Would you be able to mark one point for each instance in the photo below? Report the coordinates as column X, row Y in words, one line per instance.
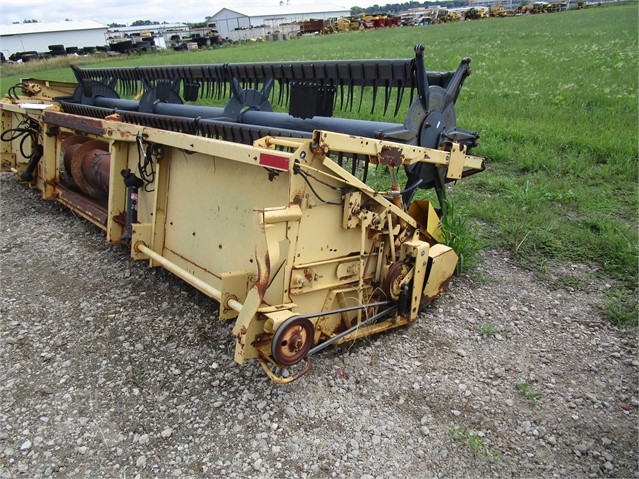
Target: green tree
column 139, row 23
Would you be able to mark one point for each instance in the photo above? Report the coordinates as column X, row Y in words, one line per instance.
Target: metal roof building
column 228, row 20
column 23, row 37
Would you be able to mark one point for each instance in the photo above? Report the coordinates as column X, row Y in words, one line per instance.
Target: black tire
column 121, row 47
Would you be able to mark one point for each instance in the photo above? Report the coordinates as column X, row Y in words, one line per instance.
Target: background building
column 23, row 37
column 228, row 20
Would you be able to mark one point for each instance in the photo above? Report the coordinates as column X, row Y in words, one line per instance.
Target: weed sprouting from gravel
column 526, row 390
column 486, row 330
column 475, row 443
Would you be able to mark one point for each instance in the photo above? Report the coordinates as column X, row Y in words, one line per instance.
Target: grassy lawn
column 554, row 98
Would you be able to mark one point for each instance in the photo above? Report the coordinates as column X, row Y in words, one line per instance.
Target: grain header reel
column 241, row 179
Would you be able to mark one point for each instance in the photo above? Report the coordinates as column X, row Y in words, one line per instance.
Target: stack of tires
column 202, row 42
column 24, row 56
column 122, row 47
column 57, row 50
column 143, row 46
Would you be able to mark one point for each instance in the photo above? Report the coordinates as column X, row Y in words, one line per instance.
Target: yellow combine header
column 270, row 214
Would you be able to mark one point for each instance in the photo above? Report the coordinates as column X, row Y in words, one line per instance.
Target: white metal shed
column 228, row 20
column 23, row 37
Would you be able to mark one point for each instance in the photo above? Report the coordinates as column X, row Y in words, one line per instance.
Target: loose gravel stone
column 135, row 375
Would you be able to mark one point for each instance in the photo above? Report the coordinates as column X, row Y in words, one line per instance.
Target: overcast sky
column 127, row 11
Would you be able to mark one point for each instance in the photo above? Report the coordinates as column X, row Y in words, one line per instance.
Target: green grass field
column 554, row 98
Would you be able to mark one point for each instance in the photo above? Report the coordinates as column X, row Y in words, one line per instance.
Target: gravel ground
column 111, row 369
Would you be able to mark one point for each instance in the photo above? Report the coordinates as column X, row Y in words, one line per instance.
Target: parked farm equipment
column 476, row 13
column 314, row 26
column 271, row 214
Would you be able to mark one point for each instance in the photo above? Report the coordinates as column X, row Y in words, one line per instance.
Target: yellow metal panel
column 47, row 167
column 141, row 233
column 51, row 89
column 190, row 144
column 275, row 319
column 247, row 327
column 322, row 237
column 282, row 214
column 209, row 216
column 352, row 204
column 327, row 276
column 12, row 120
column 418, row 250
column 443, row 261
column 159, row 205
column 234, row 286
column 426, row 216
column 117, row 192
column 456, row 163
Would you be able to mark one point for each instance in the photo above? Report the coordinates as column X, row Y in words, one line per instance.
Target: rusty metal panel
column 90, row 209
column 75, row 122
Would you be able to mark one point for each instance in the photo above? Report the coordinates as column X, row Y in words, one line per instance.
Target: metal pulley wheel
column 292, row 341
column 392, row 284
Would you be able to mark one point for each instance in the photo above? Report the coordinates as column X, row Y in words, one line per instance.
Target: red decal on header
column 273, row 161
